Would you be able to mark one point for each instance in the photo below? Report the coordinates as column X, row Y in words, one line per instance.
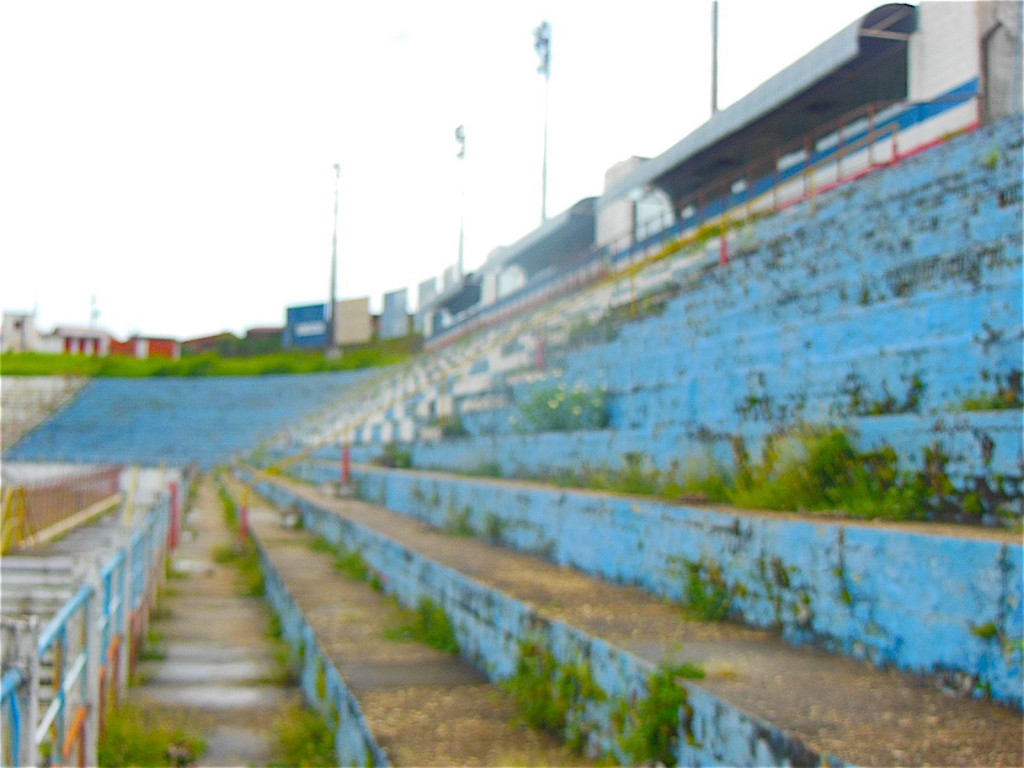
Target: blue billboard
column 306, row 327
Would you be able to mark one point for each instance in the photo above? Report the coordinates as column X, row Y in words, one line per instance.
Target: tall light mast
column 332, row 347
column 542, row 44
column 460, row 136
column 714, row 57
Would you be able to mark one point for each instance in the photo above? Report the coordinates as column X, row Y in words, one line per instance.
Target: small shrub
column 650, row 727
column 556, row 409
column 395, row 457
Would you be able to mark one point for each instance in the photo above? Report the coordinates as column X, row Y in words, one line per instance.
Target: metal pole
column 542, row 44
column 334, row 267
column 460, row 136
column 714, row 57
column 544, row 170
column 94, row 660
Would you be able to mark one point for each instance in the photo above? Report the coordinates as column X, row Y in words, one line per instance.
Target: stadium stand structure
column 165, row 421
column 887, row 306
column 28, row 400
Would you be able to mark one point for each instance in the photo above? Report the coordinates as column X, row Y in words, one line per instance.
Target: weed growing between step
column 242, row 554
column 134, row 737
column 303, row 737
column 351, row 563
column 649, row 728
column 706, row 596
column 427, row 624
column 563, row 699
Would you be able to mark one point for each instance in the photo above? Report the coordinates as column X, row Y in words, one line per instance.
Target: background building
column 305, row 327
column 394, row 321
column 352, row 322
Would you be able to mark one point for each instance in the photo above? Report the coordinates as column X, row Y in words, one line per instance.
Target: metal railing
column 59, row 680
column 32, row 509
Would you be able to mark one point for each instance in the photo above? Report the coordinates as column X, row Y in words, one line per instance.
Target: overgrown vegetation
column 395, row 457
column 650, row 727
column 303, row 739
column 557, row 697
column 136, row 737
column 352, row 564
column 206, row 364
column 1006, row 396
column 706, row 595
column 552, row 696
column 813, row 469
column 557, row 409
column 427, row 624
column 242, row 553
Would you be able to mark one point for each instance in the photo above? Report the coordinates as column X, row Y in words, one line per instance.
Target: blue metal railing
column 10, row 710
column 84, row 643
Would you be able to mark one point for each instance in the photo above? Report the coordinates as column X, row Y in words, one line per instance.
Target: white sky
column 175, row 159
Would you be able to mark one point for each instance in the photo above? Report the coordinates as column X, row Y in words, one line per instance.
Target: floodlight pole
column 460, row 136
column 542, row 44
column 714, row 57
column 332, row 347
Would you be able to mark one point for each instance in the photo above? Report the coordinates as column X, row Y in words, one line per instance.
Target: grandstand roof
column 558, row 239
column 864, row 63
column 461, row 296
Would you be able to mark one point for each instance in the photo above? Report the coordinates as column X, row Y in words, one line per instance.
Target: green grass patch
column 246, row 560
column 352, row 564
column 135, row 737
column 303, row 739
column 373, row 355
column 428, row 624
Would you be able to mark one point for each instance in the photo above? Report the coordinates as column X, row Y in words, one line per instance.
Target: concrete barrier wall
column 490, row 626
column 321, row 683
column 977, row 444
column 932, row 603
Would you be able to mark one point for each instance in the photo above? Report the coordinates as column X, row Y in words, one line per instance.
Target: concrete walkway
column 424, row 707
column 836, row 705
column 219, row 671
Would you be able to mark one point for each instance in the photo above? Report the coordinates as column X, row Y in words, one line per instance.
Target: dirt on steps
column 218, row 672
column 425, row 707
column 837, row 705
